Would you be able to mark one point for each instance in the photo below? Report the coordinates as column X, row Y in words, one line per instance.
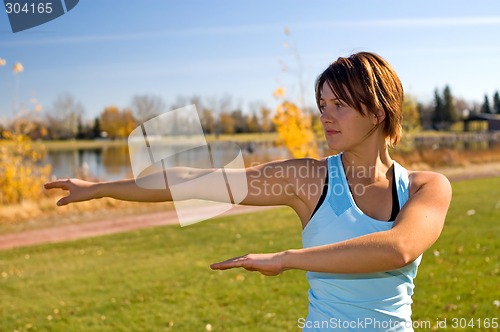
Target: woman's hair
column 366, row 79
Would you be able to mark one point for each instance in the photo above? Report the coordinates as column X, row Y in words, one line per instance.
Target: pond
column 113, row 162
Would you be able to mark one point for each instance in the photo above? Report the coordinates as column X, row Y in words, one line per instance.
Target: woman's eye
column 322, row 108
column 338, row 105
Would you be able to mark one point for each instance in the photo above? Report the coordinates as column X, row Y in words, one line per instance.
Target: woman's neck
column 367, row 165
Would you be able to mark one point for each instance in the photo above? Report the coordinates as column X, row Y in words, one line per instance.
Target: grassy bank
column 98, row 144
column 159, row 280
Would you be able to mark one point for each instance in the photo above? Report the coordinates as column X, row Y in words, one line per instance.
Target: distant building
column 487, row 122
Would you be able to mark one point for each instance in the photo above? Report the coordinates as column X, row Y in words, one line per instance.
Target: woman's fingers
column 63, row 201
column 267, row 264
column 61, row 184
column 78, row 190
column 230, row 263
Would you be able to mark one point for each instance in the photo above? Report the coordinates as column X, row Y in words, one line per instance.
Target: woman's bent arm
column 416, row 228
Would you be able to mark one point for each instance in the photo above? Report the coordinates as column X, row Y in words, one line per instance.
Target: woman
column 366, row 220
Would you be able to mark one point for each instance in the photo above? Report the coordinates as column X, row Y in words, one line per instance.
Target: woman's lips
column 332, row 132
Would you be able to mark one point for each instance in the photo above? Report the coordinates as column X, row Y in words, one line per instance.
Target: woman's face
column 345, row 128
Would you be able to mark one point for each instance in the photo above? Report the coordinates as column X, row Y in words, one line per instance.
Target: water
column 103, row 164
column 113, row 163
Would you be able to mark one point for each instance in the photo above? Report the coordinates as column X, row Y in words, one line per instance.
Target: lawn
column 159, row 279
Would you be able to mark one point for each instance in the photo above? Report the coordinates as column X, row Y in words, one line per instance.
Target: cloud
column 223, row 30
column 424, row 22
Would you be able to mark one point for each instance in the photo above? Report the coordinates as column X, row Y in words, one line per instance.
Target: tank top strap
column 402, row 183
column 338, row 189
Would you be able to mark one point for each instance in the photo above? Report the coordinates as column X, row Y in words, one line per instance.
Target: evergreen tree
column 438, row 112
column 80, row 131
column 486, row 108
column 449, row 109
column 96, row 130
column 496, row 103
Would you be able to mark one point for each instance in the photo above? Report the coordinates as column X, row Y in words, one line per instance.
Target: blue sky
column 104, row 52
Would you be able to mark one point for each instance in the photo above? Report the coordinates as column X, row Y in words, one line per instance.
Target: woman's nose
column 326, row 116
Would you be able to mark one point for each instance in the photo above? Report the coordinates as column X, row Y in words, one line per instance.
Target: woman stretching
column 366, row 220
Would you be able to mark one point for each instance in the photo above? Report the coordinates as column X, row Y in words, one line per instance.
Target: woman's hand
column 267, row 264
column 79, row 190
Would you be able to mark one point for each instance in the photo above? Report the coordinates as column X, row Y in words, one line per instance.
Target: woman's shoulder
column 418, row 179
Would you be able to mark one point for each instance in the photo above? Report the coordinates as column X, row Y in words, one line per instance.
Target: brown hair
column 366, row 79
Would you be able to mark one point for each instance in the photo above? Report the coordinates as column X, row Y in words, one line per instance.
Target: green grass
column 460, row 275
column 159, row 279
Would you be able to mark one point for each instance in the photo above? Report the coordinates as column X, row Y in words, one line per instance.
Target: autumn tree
column 411, row 117
column 117, row 123
column 252, row 123
column 294, row 127
column 240, row 124
column 266, row 120
column 208, row 121
column 227, row 123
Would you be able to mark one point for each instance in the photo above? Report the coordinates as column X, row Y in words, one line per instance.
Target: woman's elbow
column 404, row 255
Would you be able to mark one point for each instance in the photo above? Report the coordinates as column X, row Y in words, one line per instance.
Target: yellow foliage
column 411, row 117
column 279, row 92
column 295, row 130
column 21, row 175
column 117, row 123
column 18, row 68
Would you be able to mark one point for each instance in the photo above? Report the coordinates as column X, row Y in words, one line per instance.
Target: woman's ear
column 378, row 117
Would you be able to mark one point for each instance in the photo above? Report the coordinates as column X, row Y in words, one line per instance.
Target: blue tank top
column 355, row 302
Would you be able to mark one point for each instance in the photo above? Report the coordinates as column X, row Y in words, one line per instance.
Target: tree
column 116, row 123
column 266, row 121
column 486, row 108
column 450, row 111
column 81, row 132
column 411, row 122
column 227, row 124
column 496, row 103
column 62, row 119
column 445, row 112
column 426, row 113
column 295, row 130
column 438, row 112
column 208, row 121
column 252, row 123
column 221, row 108
column 96, row 129
column 240, row 124
column 463, row 107
column 145, row 107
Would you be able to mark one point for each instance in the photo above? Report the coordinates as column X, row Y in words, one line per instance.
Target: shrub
column 22, row 173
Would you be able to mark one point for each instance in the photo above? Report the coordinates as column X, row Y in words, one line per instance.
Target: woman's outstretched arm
column 416, row 228
column 126, row 190
column 265, row 184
